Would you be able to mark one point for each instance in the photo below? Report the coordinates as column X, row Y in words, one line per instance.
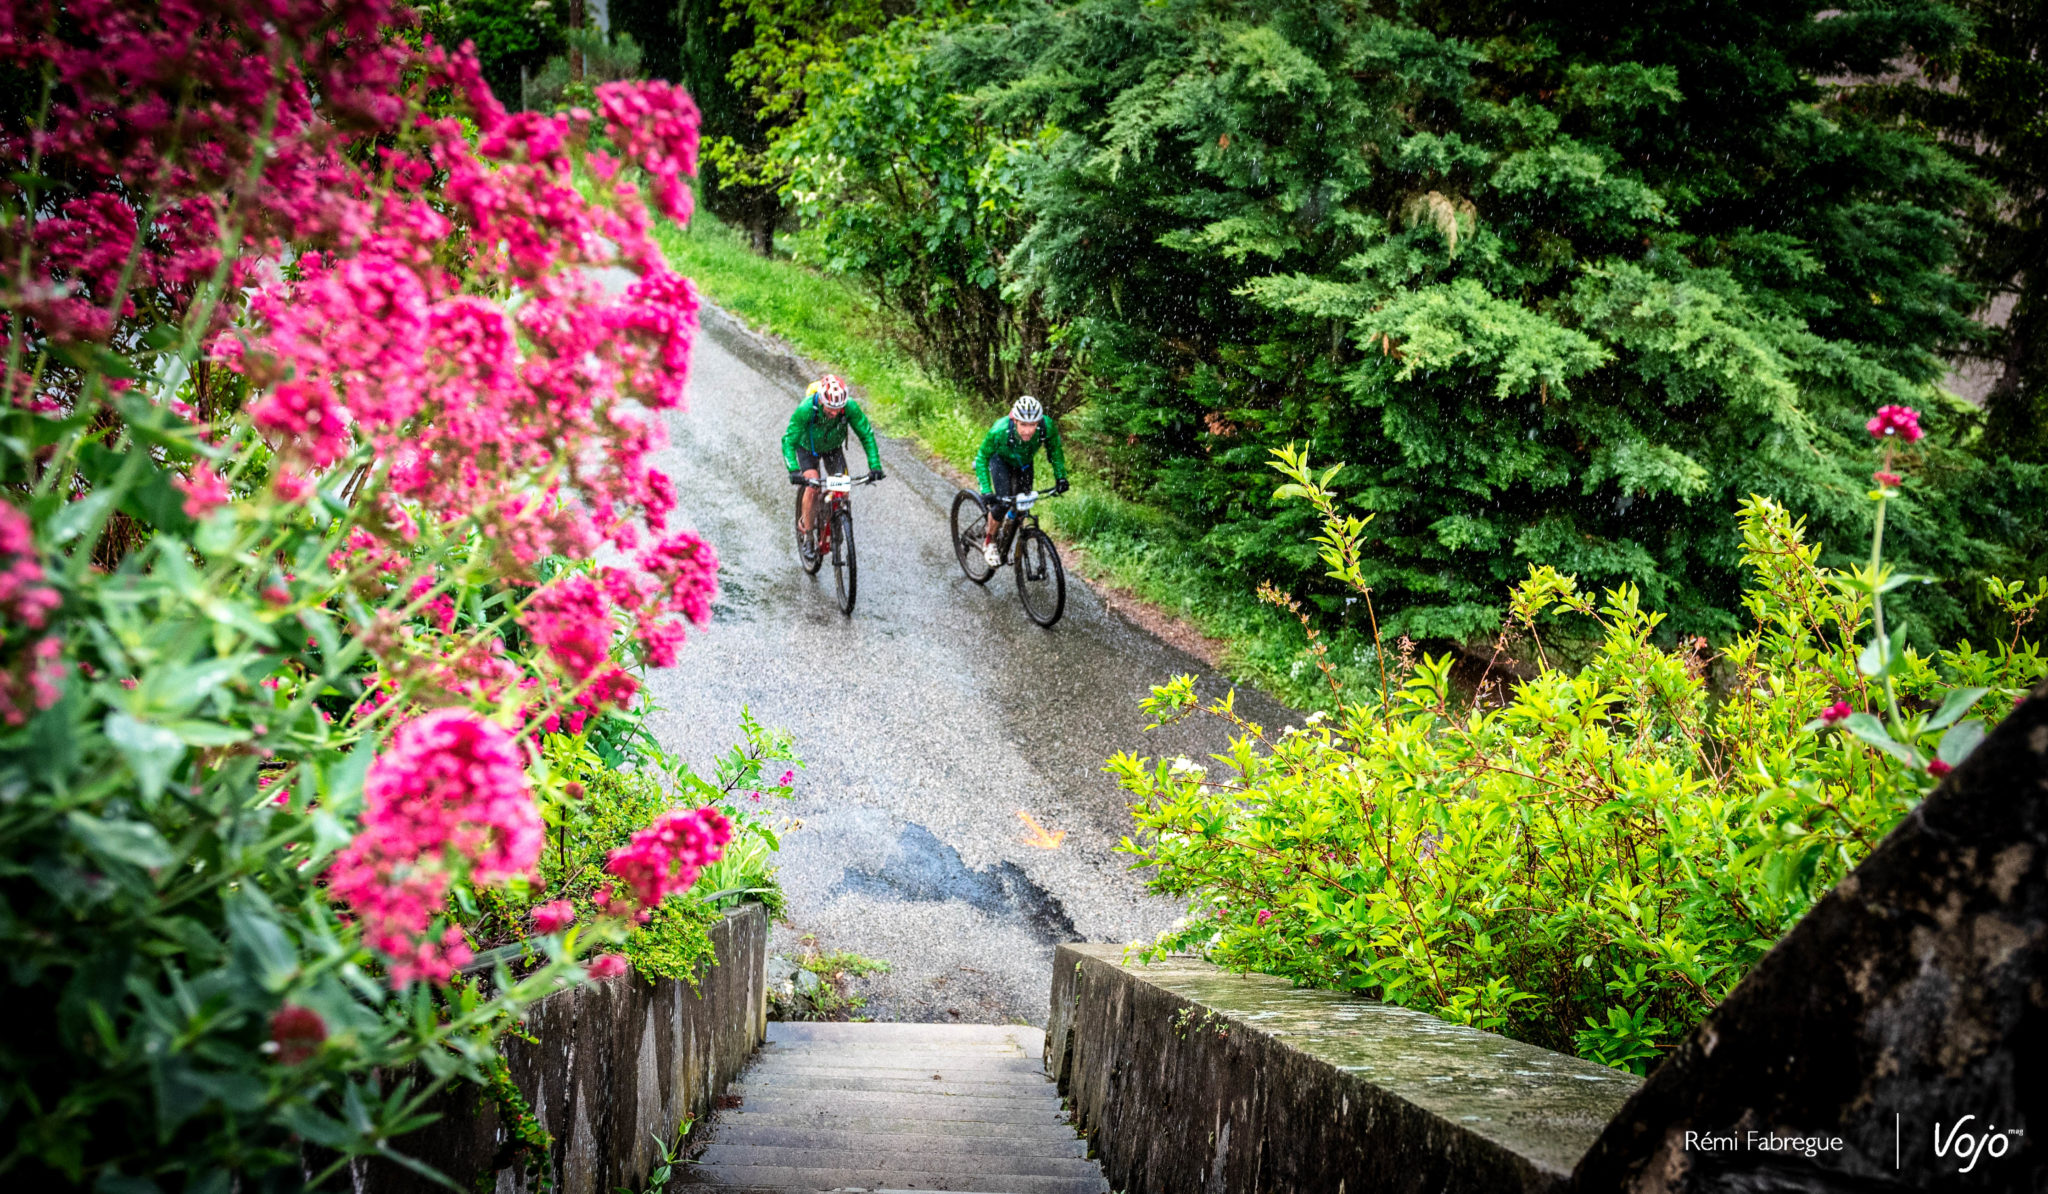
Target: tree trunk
column 2017, row 404
column 575, row 52
column 763, row 211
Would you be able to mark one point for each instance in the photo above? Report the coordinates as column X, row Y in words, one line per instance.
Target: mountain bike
column 1041, row 581
column 831, row 533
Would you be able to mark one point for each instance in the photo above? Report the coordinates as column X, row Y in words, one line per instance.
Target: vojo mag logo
column 1969, row 1140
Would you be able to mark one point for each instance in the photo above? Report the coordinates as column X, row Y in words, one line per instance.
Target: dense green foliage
column 1563, row 283
column 758, row 60
column 902, row 184
column 1566, row 284
column 510, row 36
column 1987, row 100
column 1593, row 858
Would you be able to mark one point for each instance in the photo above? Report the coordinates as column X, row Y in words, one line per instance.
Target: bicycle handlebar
column 820, row 482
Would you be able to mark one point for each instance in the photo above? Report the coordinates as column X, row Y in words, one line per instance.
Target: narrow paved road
column 928, row 720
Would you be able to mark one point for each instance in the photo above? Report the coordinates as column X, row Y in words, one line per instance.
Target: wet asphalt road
column 927, row 721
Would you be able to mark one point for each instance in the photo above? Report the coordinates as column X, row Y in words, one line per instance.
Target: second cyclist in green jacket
column 816, row 436
column 1003, row 465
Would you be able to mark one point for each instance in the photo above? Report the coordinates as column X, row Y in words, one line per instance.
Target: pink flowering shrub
column 666, row 856
column 323, row 402
column 448, row 799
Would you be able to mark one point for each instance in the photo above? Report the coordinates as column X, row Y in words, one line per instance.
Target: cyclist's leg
column 1004, row 481
column 807, row 464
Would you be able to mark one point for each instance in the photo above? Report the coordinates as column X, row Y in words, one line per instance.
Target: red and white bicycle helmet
column 832, row 392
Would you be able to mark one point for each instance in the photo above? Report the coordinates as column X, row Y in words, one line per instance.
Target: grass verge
column 1151, row 566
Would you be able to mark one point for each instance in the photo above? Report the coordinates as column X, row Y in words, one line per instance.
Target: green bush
column 1587, row 859
column 1563, row 285
column 607, row 784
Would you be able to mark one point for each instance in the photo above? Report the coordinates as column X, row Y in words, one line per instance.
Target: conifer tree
column 1561, row 283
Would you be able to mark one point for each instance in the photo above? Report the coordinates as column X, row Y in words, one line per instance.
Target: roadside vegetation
column 321, row 743
column 1590, row 857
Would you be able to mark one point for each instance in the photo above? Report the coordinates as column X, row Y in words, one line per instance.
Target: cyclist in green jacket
column 1003, row 465
column 817, row 435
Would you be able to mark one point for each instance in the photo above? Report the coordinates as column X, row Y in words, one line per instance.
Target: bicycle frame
column 837, row 487
column 1017, row 514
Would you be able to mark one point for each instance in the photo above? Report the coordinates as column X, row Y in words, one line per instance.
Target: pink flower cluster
column 449, row 797
column 571, row 620
column 204, row 491
column 665, row 857
column 369, row 209
column 656, row 124
column 31, row 667
column 1901, row 421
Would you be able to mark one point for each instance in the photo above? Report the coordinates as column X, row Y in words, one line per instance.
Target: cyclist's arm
column 987, row 449
column 1054, row 451
column 866, row 431
column 797, row 423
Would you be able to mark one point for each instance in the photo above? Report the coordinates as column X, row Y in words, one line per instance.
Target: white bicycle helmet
column 832, row 392
column 1027, row 410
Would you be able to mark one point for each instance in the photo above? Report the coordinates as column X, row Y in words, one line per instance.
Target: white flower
column 1185, row 766
column 1317, row 718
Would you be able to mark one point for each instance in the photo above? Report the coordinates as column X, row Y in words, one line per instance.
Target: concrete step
column 1016, row 1035
column 898, row 1063
column 910, row 1142
column 840, row 1178
column 882, row 1125
column 1026, row 1086
column 883, row 1154
column 953, row 1108
column 882, row 1104
column 781, row 1070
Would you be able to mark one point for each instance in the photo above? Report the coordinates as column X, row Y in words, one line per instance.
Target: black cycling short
column 835, row 460
column 1007, row 478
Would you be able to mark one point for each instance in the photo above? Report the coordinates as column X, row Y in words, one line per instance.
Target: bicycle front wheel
column 844, row 576
column 970, row 523
column 1041, row 582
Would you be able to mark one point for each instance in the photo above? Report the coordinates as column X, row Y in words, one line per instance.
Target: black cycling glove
column 1060, row 486
column 876, row 474
column 795, row 477
column 988, row 501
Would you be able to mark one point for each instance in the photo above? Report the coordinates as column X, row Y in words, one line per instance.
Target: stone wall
column 610, row 1066
column 1189, row 1078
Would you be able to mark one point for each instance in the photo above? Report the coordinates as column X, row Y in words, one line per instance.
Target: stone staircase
column 889, row 1107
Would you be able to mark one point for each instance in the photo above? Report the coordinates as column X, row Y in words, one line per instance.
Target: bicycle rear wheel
column 844, row 576
column 1041, row 582
column 969, row 524
column 807, row 553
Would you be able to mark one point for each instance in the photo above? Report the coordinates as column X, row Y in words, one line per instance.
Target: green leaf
column 1957, row 744
column 262, row 944
column 79, row 516
column 344, row 788
column 208, row 733
column 134, row 842
column 1957, row 704
column 1871, row 730
column 151, row 751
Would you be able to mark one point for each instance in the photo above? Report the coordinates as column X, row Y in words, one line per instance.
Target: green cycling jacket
column 1003, row 442
column 811, row 429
